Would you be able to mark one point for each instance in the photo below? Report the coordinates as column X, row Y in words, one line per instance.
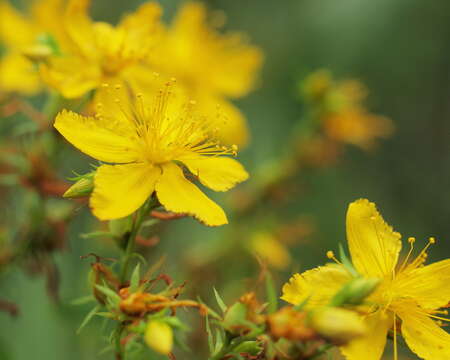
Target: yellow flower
column 268, row 247
column 19, row 35
column 212, row 66
column 342, row 112
column 407, row 299
column 159, row 336
column 153, row 146
column 100, row 52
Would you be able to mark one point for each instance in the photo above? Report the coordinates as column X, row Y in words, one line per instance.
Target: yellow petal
column 119, row 190
column 47, row 14
column 231, row 124
column 373, row 244
column 271, row 249
column 179, row 195
column 223, row 63
column 423, row 336
column 113, row 104
column 143, row 29
column 79, row 27
column 96, row 138
column 427, row 285
column 71, row 76
column 371, row 346
column 219, row 173
column 16, row 31
column 17, row 74
column 319, row 285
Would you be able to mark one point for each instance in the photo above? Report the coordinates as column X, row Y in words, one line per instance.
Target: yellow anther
column 234, row 147
column 139, row 95
column 118, row 87
column 411, row 240
column 105, row 85
column 432, row 240
column 330, row 254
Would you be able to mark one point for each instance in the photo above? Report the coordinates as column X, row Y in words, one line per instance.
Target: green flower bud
column 355, row 291
column 83, row 187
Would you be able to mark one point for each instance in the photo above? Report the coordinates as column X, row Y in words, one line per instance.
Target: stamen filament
column 395, row 338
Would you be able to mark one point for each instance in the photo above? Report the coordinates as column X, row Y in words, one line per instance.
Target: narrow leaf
column 82, row 300
column 346, row 261
column 88, row 318
column 135, row 278
column 219, row 300
column 110, row 294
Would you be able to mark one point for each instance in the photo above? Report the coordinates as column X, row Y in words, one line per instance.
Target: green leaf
column 219, row 340
column 210, row 337
column 105, row 314
column 106, row 349
column 139, row 257
column 119, row 227
column 112, row 297
column 220, row 302
column 135, row 278
column 96, row 234
column 271, row 293
column 83, row 300
column 235, row 316
column 88, row 318
column 249, row 347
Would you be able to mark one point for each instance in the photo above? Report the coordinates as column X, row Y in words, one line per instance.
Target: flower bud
column 83, row 187
column 355, row 291
column 159, row 336
column 337, row 324
column 37, row 52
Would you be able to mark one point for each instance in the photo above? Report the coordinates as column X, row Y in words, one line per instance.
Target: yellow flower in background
column 101, row 52
column 154, row 145
column 342, row 113
column 352, row 123
column 269, row 248
column 19, row 35
column 407, row 300
column 213, row 67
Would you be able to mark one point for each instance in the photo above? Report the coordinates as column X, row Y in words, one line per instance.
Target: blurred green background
column 399, row 49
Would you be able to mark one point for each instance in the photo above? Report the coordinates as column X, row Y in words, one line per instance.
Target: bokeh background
column 399, row 49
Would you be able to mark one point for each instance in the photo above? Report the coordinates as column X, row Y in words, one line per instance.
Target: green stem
column 131, row 240
column 52, row 105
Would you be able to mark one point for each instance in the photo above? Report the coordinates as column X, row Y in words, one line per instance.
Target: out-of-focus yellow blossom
column 268, row 247
column 339, row 325
column 342, row 113
column 408, row 296
column 19, row 35
column 159, row 336
column 100, row 52
column 212, row 66
column 153, row 145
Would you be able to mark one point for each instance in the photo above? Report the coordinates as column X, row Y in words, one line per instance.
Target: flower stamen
column 330, row 255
